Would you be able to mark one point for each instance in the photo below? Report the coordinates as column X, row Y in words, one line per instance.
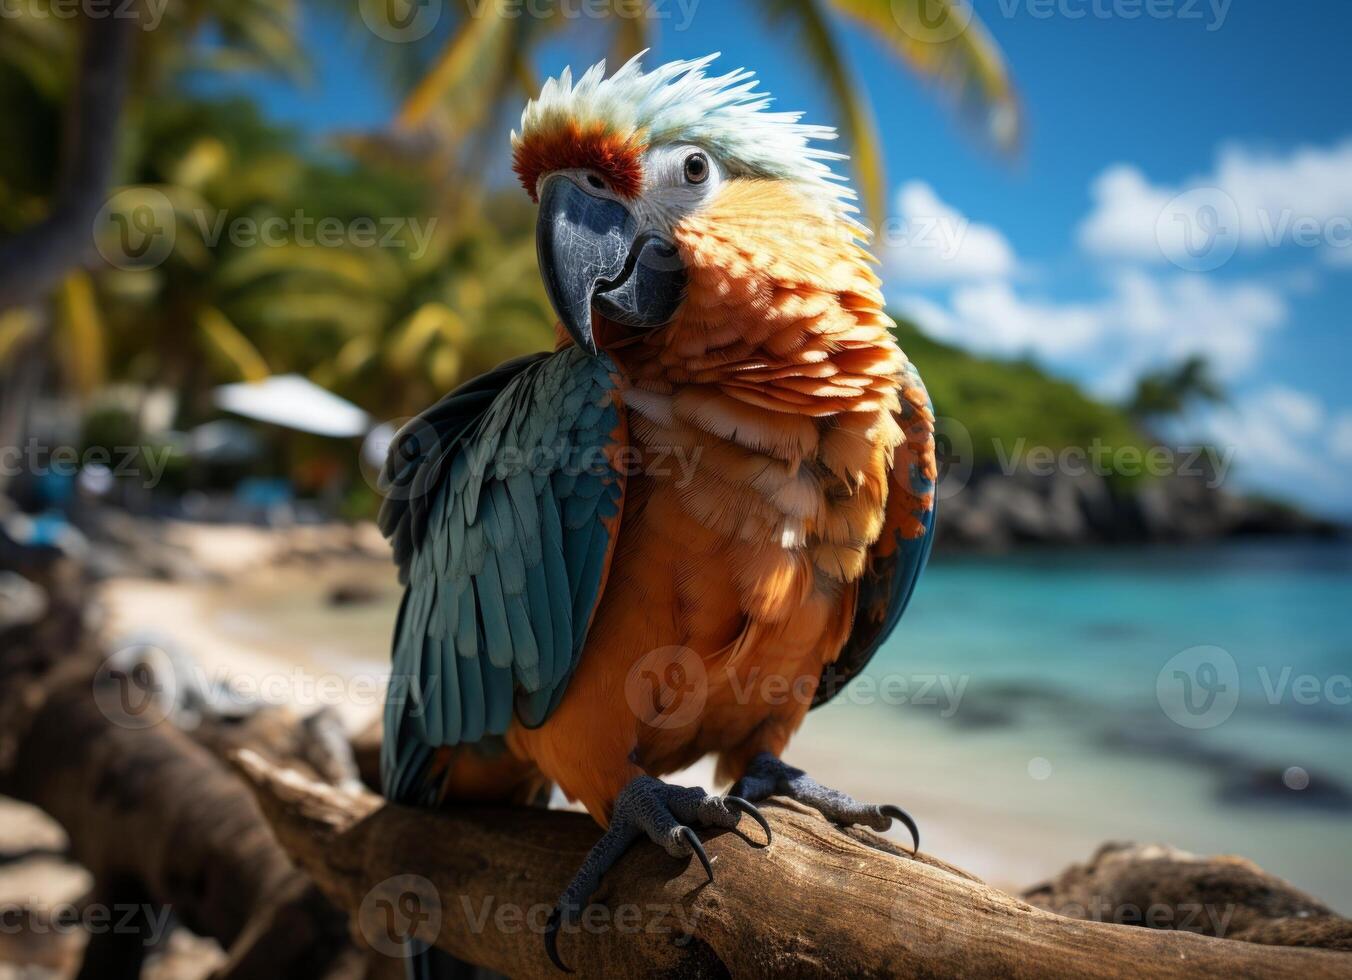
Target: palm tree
column 1169, row 392
column 485, row 63
column 42, row 56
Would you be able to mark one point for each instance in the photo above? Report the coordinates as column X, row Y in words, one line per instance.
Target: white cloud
column 1280, row 438
column 929, row 241
column 1340, row 437
column 1141, row 322
column 1252, row 199
column 1126, row 206
column 992, row 318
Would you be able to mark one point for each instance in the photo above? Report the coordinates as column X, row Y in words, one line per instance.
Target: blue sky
column 1074, row 253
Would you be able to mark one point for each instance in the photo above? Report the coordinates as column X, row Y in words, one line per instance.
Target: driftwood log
column 480, row 882
column 162, row 824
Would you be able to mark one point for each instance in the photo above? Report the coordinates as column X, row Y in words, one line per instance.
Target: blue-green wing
column 898, row 556
column 504, row 510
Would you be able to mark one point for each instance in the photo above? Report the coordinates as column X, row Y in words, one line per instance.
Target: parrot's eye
column 696, row 168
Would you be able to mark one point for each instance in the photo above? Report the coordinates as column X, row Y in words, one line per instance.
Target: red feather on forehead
column 618, row 158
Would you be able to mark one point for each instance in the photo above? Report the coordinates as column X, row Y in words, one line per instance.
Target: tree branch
column 479, row 882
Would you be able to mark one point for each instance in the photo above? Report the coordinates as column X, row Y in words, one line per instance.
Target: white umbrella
column 295, row 402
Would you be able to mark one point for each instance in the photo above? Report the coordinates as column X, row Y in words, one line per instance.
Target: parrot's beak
column 593, row 254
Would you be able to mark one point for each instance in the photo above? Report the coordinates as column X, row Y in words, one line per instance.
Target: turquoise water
column 1198, row 697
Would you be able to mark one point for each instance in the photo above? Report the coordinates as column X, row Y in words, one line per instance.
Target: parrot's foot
column 647, row 806
column 768, row 776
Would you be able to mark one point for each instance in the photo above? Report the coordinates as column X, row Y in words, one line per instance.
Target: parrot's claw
column 646, row 807
column 766, row 776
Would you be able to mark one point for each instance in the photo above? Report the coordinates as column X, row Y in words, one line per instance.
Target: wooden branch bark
column 479, row 882
column 156, row 818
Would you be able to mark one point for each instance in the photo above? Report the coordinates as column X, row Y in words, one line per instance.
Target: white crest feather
column 678, row 103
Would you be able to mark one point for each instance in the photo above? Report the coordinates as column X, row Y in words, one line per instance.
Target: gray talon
column 741, row 805
column 888, row 810
column 645, row 807
column 700, row 853
column 768, row 776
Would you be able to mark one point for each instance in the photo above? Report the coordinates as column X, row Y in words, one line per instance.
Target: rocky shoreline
column 995, row 511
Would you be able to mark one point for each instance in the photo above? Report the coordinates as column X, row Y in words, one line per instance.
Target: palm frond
column 945, row 41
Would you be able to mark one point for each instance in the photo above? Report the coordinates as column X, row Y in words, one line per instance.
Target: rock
column 995, row 510
column 1286, row 787
column 1161, row 887
column 352, row 594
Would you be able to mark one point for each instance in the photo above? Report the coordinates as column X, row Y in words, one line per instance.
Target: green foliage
column 1169, row 392
column 1002, row 402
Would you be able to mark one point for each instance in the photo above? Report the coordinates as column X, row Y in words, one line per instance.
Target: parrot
column 722, row 475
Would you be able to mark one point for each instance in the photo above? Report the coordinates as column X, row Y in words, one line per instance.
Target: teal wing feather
column 505, row 514
column 899, row 556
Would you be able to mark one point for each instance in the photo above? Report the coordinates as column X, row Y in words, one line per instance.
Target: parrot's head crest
column 668, row 194
column 619, row 125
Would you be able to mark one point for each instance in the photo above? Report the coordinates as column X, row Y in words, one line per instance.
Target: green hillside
column 1001, row 402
